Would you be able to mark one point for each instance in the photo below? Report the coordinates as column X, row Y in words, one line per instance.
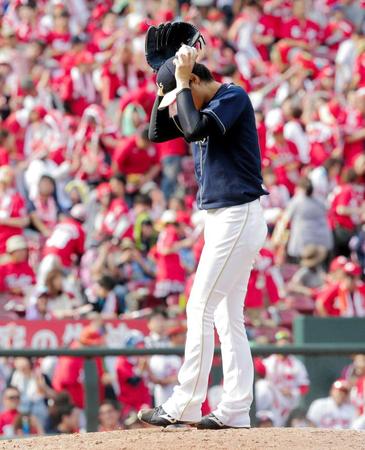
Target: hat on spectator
column 342, row 385
column 168, row 216
column 352, row 269
column 80, row 186
column 312, row 255
column 338, row 263
column 78, row 212
column 15, row 243
column 90, row 336
column 283, row 334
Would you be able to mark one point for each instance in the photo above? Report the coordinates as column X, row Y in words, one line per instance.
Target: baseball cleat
column 159, row 417
column 211, row 422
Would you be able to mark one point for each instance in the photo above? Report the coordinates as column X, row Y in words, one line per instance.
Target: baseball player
column 219, row 120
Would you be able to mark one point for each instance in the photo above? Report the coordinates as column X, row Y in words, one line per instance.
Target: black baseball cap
column 166, row 79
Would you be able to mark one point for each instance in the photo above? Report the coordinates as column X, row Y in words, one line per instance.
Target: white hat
column 78, row 212
column 169, row 216
column 15, row 243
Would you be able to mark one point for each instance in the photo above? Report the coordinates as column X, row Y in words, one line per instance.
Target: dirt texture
column 187, row 439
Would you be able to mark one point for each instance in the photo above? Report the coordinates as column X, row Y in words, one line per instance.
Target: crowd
column 98, row 222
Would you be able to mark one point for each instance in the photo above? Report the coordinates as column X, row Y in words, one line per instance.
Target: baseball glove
column 164, row 41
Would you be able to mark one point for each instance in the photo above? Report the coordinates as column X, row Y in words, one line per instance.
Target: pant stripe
column 206, row 303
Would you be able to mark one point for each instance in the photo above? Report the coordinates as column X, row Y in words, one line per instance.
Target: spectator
column 34, row 388
column 308, row 219
column 17, row 276
column 109, row 416
column 10, row 412
column 130, row 373
column 345, row 299
column 66, row 420
column 163, row 370
column 69, row 371
column 13, row 217
column 335, row 411
column 287, row 380
column 311, row 275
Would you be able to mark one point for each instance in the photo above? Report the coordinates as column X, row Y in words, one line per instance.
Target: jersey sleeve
column 225, row 109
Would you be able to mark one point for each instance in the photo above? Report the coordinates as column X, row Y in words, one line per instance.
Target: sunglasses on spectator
column 13, row 397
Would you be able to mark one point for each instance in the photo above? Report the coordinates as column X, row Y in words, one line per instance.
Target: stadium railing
column 91, row 375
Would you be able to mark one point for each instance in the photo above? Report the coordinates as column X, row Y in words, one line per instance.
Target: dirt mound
column 187, row 439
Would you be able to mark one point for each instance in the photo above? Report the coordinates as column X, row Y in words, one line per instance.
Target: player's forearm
column 162, row 128
column 195, row 125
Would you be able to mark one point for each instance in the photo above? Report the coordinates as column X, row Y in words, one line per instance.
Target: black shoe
column 211, row 422
column 159, row 417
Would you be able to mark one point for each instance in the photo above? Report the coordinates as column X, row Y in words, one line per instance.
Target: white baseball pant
column 233, row 238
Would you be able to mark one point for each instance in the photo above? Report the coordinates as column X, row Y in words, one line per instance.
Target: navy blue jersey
column 228, row 161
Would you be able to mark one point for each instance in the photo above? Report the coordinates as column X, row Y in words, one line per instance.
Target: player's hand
column 184, row 62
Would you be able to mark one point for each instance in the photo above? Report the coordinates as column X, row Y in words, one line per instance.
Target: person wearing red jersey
column 284, row 158
column 69, row 371
column 59, row 38
column 170, row 273
column 11, row 401
column 13, row 216
column 354, row 129
column 134, row 393
column 136, row 158
column 16, row 275
column 65, row 245
column 298, row 31
column 346, row 298
column 7, row 147
column 337, row 30
column 344, row 213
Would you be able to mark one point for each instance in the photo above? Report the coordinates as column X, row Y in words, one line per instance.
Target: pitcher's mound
column 187, row 439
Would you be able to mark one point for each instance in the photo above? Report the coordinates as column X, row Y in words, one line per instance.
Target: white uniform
column 233, row 238
column 281, row 374
column 162, row 367
column 325, row 413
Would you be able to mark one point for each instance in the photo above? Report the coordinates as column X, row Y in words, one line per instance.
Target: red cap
column 278, row 128
column 41, row 110
column 338, row 263
column 352, row 269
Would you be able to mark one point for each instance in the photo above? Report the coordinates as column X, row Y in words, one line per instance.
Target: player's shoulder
column 233, row 89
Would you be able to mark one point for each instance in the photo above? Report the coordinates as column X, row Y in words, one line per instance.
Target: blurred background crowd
column 97, row 222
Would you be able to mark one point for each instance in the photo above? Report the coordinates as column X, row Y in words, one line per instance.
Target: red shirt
column 355, row 121
column 344, row 195
column 4, row 157
column 117, row 221
column 176, row 147
column 7, row 418
column 305, row 30
column 284, row 159
column 336, row 32
column 66, row 241
column 360, row 69
column 168, row 265
column 133, row 160
column 12, row 205
column 69, row 377
column 132, row 395
column 16, row 275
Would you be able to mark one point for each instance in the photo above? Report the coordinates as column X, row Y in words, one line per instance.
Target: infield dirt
column 187, row 439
